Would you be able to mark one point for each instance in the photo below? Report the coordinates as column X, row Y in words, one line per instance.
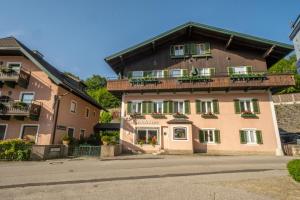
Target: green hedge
column 15, row 149
column 294, row 169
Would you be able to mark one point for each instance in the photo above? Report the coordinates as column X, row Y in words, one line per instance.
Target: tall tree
column 95, row 82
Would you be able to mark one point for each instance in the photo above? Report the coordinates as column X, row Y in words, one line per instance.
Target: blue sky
column 76, row 35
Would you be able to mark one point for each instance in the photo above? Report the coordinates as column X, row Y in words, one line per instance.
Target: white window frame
column 136, row 102
column 212, row 132
column 204, row 71
column 82, row 129
column 147, row 136
column 180, row 75
column 87, row 114
column 183, row 105
column 243, row 100
column 179, row 51
column 162, row 106
column 18, row 63
column 75, row 111
column 178, row 139
column 157, row 75
column 241, row 70
column 201, row 48
column 37, row 134
column 135, row 76
column 248, row 131
column 24, row 92
column 6, row 127
column 73, row 131
column 206, row 105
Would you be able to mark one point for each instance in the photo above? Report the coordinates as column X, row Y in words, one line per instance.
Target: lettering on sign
column 60, row 127
column 57, row 149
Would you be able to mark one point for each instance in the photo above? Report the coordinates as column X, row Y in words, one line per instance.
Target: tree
column 105, row 117
column 287, row 65
column 95, row 82
column 104, row 98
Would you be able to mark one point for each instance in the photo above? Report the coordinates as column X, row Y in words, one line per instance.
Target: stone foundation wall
column 288, row 117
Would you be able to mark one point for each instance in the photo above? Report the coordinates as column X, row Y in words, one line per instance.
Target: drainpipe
column 57, row 103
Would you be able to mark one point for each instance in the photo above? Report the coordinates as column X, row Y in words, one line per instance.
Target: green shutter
column 187, row 49
column 259, row 138
column 184, row 72
column 129, row 107
column 147, row 73
column 193, row 50
column 129, row 75
column 166, row 110
column 166, row 73
column 150, row 107
column 237, row 107
column 255, row 106
column 201, row 136
column 198, row 107
column 249, row 69
column 144, row 107
column 172, row 50
column 212, row 71
column 187, row 107
column 170, row 106
column 216, row 106
column 243, row 137
column 217, row 136
column 207, row 48
column 230, row 70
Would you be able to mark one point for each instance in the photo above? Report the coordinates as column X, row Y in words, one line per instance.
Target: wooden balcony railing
column 12, row 77
column 205, row 84
column 22, row 109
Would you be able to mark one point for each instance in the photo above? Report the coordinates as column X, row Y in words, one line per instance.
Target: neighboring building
column 198, row 88
column 37, row 101
column 295, row 37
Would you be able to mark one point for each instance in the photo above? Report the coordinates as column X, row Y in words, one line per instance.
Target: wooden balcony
column 20, row 109
column 216, row 83
column 12, row 77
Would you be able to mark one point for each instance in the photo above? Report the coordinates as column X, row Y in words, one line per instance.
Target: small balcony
column 19, row 109
column 11, row 77
column 216, row 82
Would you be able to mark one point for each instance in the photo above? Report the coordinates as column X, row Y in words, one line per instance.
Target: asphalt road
column 148, row 177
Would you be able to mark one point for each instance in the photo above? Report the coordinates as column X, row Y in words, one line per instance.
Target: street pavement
column 150, row 177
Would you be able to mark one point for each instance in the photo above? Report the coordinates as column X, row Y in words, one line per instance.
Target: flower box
column 180, row 116
column 248, row 77
column 248, row 114
column 137, row 116
column 158, row 116
column 144, row 81
column 188, row 79
column 209, row 116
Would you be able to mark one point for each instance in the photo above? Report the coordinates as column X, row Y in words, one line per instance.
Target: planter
column 248, row 77
column 66, row 142
column 180, row 116
column 137, row 116
column 110, row 150
column 158, row 116
column 249, row 115
column 188, row 79
column 144, row 81
column 209, row 116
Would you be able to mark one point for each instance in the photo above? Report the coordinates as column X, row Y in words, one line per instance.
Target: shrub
column 66, row 137
column 294, row 169
column 15, row 149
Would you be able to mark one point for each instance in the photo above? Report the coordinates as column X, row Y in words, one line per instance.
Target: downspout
column 57, row 103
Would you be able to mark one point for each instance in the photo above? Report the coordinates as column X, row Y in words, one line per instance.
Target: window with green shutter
column 129, row 103
column 209, row 136
column 217, row 136
column 129, row 75
column 216, row 106
column 170, row 106
column 187, row 49
column 144, row 107
column 166, row 73
column 230, row 70
column 166, row 107
column 259, row 138
column 255, row 105
column 249, row 69
column 187, row 107
column 207, row 48
column 193, row 49
column 150, row 107
column 198, row 107
column 212, row 71
column 201, row 136
column 172, row 50
column 237, row 107
column 243, row 137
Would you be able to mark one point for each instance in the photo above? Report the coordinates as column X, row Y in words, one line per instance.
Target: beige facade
column 43, row 91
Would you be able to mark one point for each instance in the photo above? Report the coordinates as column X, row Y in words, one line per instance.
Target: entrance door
column 2, row 131
column 165, row 138
column 71, row 132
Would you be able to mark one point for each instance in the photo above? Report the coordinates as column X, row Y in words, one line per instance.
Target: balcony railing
column 19, row 108
column 220, row 81
column 12, row 77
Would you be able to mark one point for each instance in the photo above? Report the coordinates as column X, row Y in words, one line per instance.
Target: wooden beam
column 229, row 42
column 153, row 46
column 190, row 31
column 269, row 51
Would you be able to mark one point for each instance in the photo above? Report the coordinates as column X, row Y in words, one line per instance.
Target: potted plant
column 180, row 115
column 248, row 114
column 157, row 115
column 152, row 141
column 105, row 140
column 209, row 115
column 66, row 139
column 141, row 142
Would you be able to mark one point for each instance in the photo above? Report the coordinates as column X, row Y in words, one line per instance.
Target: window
column 204, row 71
column 179, row 107
column 82, row 133
column 73, row 106
column 158, row 73
column 246, row 105
column 250, row 136
column 200, row 49
column 27, row 97
column 71, row 132
column 3, row 128
column 240, row 70
column 29, row 132
column 147, row 136
column 179, row 133
column 209, row 136
column 87, row 112
column 137, row 74
column 207, row 107
column 158, row 106
column 136, row 107
column 178, row 50
column 14, row 66
column 176, row 73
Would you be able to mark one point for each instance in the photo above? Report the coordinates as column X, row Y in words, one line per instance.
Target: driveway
column 150, row 177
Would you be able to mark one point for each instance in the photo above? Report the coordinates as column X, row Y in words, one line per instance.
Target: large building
column 37, row 101
column 198, row 88
column 295, row 37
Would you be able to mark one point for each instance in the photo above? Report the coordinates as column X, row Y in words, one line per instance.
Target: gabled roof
column 11, row 43
column 286, row 48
